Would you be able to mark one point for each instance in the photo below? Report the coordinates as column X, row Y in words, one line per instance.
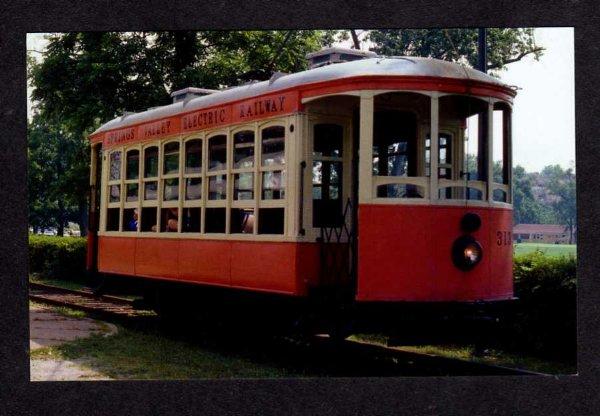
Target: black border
column 564, row 395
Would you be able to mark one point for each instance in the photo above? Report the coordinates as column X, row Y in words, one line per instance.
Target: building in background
column 541, row 233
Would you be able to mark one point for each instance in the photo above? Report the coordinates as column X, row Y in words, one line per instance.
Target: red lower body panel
column 278, row 267
column 405, row 254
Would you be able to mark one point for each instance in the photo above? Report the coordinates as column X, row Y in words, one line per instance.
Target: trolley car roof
column 380, row 66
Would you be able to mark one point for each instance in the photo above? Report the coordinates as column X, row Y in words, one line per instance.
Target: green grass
column 492, row 357
column 138, row 355
column 548, row 249
column 73, row 285
column 495, row 357
column 70, row 313
column 65, row 284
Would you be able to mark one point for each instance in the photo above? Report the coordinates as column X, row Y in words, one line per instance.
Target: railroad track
column 110, row 307
column 441, row 366
column 333, row 356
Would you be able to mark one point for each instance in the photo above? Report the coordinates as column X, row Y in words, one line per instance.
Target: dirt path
column 48, row 328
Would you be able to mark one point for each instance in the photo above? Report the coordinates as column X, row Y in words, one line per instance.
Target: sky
column 544, row 109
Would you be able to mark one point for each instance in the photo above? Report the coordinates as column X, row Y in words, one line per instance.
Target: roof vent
column 276, row 76
column 189, row 93
column 335, row 55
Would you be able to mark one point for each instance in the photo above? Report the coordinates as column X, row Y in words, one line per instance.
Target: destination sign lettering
column 156, row 129
column 120, row 136
column 205, row 119
column 265, row 107
column 240, row 112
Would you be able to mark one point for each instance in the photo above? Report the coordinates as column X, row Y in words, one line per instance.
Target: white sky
column 544, row 109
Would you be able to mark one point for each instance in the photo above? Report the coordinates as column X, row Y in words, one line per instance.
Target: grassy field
column 548, row 249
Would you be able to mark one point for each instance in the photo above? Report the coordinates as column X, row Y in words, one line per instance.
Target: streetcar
column 364, row 180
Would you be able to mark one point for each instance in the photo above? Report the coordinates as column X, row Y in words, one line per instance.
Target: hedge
column 57, row 257
column 543, row 320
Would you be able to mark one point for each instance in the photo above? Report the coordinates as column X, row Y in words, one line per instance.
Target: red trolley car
column 385, row 178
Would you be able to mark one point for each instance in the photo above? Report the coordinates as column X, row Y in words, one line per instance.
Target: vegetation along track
column 376, row 359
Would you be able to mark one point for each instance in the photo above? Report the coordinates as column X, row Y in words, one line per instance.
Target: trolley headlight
column 466, row 252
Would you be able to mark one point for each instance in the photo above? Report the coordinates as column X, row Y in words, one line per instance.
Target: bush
column 544, row 318
column 57, row 257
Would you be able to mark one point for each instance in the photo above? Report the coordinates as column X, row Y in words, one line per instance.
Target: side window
column 171, row 172
column 192, row 177
column 273, row 162
column 327, row 178
column 150, row 173
column 242, row 216
column 395, row 152
column 445, row 161
column 132, row 173
column 243, row 165
column 216, row 214
column 193, row 156
column 243, row 149
column 171, row 158
column 501, row 152
column 193, row 170
column 169, row 213
column 271, row 220
column 133, row 164
column 113, row 212
column 217, row 153
column 115, row 165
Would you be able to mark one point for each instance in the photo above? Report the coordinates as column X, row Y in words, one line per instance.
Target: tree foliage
column 561, row 186
column 547, row 197
column 50, row 154
column 504, row 46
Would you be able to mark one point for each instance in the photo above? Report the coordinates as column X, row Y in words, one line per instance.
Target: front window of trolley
column 467, row 162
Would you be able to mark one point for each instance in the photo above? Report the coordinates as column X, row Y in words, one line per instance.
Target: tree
column 50, row 202
column 561, row 185
column 505, row 46
column 526, row 210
